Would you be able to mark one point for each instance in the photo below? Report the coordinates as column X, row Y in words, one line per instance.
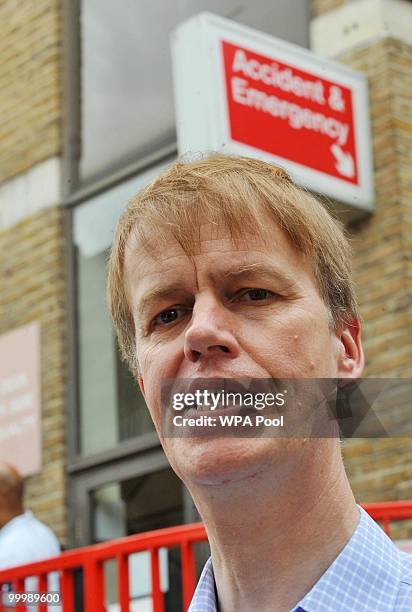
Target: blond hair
column 220, row 188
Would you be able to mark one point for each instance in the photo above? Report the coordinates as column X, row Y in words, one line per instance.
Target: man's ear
column 141, row 385
column 351, row 359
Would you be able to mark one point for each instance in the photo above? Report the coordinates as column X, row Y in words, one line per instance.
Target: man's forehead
column 208, row 238
column 152, row 267
column 216, row 255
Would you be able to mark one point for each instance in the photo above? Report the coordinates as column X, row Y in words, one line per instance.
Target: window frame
column 140, row 455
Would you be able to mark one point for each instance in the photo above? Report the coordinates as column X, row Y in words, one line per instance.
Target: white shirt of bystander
column 25, row 539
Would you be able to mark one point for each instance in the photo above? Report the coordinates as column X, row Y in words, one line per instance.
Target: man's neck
column 272, row 535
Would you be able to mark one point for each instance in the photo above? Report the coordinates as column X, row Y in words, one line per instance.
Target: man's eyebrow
column 157, row 294
column 243, row 270
column 250, row 270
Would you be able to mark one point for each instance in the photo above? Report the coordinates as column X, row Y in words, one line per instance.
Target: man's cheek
column 153, row 396
column 151, row 353
column 287, row 355
column 147, row 361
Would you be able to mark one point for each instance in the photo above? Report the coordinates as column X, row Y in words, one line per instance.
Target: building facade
column 87, row 119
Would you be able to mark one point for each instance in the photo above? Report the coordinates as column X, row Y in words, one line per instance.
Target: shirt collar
column 367, row 570
column 368, row 567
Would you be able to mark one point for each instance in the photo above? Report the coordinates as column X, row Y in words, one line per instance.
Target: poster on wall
column 20, row 401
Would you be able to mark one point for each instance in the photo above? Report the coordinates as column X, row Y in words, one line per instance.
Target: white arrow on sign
column 344, row 161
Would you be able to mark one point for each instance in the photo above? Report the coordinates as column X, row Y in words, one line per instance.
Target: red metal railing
column 385, row 512
column 91, row 559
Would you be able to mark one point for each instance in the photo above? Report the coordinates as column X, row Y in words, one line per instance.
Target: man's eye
column 167, row 316
column 257, row 294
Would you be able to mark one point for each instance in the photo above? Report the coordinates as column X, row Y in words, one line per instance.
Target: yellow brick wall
column 32, row 264
column 383, row 244
column 30, row 84
column 32, row 287
column 382, row 469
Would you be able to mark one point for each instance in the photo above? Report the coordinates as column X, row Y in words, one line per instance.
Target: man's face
column 234, row 310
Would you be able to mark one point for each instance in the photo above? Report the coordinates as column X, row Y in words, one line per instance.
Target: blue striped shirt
column 370, row 574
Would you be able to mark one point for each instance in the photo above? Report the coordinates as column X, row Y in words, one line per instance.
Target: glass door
column 138, row 504
column 138, row 495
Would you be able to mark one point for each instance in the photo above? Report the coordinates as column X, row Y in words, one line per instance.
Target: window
column 126, row 79
column 111, row 409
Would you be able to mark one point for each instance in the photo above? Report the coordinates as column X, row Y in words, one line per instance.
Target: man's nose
column 209, row 333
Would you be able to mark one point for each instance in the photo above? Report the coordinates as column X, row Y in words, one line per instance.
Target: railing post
column 387, row 526
column 2, row 593
column 158, row 601
column 188, row 573
column 18, row 587
column 123, row 582
column 93, row 586
column 42, row 588
column 67, row 590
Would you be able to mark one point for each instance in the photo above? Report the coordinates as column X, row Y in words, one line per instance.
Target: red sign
column 290, row 113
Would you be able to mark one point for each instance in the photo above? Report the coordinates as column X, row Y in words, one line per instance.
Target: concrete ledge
column 359, row 23
column 30, row 192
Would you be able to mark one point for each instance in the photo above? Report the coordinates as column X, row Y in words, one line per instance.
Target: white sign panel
column 240, row 91
column 20, row 413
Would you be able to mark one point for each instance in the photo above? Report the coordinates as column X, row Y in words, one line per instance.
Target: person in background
column 23, row 538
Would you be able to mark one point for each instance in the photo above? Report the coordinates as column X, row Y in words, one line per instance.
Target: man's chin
column 220, row 461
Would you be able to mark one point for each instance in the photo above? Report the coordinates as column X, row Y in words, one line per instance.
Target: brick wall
column 32, row 270
column 32, row 285
column 383, row 244
column 30, row 84
column 32, row 288
column 382, row 469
